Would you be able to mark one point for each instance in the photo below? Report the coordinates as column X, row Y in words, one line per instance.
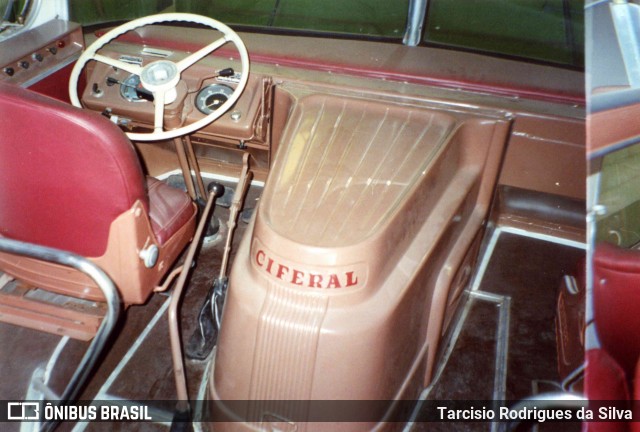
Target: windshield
column 14, row 14
column 375, row 18
column 620, row 196
column 545, row 30
column 542, row 30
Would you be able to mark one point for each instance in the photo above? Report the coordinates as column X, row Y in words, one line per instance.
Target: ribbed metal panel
column 348, row 163
column 286, row 345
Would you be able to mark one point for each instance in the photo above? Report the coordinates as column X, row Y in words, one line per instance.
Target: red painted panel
column 56, row 85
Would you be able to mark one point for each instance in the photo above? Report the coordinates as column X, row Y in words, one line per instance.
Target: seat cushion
column 169, row 209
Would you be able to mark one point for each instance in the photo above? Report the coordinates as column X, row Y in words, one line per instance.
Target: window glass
column 361, row 17
column 545, row 30
column 620, row 194
column 88, row 12
column 13, row 17
column 10, row 10
column 375, row 18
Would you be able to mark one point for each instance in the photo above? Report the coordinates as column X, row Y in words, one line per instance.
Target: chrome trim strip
column 502, row 348
column 486, row 257
column 54, row 358
column 626, row 20
column 155, row 52
column 132, row 350
column 202, row 393
column 543, row 237
column 210, row 176
column 50, row 71
column 102, row 393
column 451, row 343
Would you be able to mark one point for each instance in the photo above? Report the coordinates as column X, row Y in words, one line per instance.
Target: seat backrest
column 65, row 173
column 616, row 299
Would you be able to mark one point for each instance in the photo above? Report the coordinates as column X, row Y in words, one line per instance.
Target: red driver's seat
column 71, row 180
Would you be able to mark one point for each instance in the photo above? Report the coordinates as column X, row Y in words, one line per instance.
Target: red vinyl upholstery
column 170, row 209
column 602, row 368
column 611, row 371
column 604, row 381
column 616, row 297
column 72, row 180
column 67, row 173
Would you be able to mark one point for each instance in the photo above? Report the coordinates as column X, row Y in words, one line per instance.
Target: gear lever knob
column 216, row 188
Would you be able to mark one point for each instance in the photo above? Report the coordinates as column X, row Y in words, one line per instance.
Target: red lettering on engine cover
column 302, row 277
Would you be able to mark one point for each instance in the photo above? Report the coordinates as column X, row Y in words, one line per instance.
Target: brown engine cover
column 339, row 289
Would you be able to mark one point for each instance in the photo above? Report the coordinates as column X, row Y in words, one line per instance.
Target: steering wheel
column 162, row 76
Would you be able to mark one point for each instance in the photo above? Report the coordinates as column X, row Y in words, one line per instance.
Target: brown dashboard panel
column 33, row 55
column 245, row 121
column 547, row 155
column 610, row 127
column 219, row 145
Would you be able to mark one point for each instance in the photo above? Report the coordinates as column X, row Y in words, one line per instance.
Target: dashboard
column 203, row 87
column 27, row 58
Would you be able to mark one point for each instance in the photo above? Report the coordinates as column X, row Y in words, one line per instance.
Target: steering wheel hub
column 160, row 75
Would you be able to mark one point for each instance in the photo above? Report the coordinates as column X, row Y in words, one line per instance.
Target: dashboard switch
column 226, row 72
column 97, row 92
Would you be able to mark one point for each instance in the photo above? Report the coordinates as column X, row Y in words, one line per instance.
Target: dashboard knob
column 37, row 57
column 9, row 71
column 24, row 64
column 149, row 256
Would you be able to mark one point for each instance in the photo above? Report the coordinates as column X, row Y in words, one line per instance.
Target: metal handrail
column 550, row 400
column 111, row 296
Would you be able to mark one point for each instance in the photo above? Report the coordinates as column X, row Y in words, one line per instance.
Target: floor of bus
column 504, row 347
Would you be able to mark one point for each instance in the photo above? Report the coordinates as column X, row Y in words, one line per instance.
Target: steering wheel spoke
column 158, row 117
column 200, row 54
column 131, row 68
